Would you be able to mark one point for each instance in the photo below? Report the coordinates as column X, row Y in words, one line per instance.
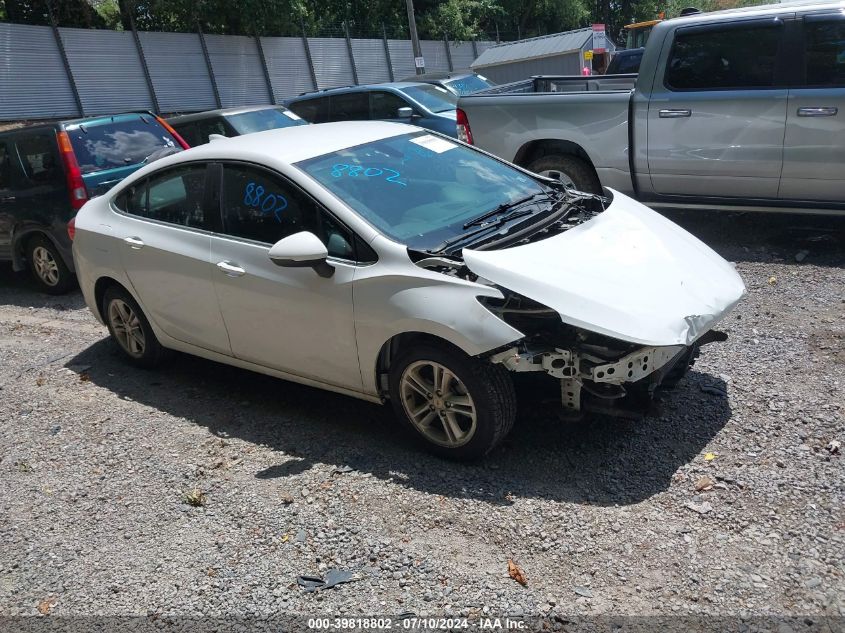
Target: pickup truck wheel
column 47, row 266
column 461, row 407
column 570, row 170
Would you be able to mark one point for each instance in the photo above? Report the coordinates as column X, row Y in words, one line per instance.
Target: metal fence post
column 351, row 55
column 265, row 69
column 448, row 51
column 65, row 61
column 308, row 57
column 474, row 49
column 144, row 66
column 387, row 53
column 208, row 65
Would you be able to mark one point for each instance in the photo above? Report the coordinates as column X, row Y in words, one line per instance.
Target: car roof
column 761, row 10
column 291, row 144
column 207, row 114
column 348, row 89
column 62, row 123
column 453, row 74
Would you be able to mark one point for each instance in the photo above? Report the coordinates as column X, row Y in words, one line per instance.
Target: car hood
column 628, row 273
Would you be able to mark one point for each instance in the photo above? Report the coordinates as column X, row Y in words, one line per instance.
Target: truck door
column 717, row 115
column 814, row 145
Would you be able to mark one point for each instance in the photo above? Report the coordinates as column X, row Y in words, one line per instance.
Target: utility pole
column 419, row 61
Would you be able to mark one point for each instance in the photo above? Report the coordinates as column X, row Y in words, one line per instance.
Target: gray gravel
column 730, row 502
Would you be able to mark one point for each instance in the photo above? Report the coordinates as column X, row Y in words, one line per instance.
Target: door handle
column 7, row 199
column 818, row 111
column 674, row 114
column 135, row 243
column 231, row 270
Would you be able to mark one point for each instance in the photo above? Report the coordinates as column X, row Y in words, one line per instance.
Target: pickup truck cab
column 741, row 109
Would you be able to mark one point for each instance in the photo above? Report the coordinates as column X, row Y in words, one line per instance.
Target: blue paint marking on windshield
column 355, row 171
column 269, row 203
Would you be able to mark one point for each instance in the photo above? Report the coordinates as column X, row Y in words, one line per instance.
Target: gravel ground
column 729, row 503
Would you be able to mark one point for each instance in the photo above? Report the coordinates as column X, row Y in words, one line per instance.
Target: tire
column 47, row 266
column 477, row 386
column 139, row 345
column 574, row 170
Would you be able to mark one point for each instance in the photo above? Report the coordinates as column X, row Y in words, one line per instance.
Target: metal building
column 558, row 54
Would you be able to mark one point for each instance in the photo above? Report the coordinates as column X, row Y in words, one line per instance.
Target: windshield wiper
column 485, row 228
column 500, row 209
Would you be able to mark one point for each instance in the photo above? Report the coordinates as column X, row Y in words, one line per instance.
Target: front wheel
column 47, row 266
column 131, row 330
column 572, row 171
column 459, row 406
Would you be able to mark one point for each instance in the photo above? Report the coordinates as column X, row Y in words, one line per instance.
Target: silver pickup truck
column 741, row 109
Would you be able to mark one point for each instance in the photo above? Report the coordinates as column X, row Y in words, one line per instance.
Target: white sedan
column 387, row 262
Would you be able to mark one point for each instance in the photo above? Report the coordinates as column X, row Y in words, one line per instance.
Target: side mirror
column 404, row 113
column 301, row 250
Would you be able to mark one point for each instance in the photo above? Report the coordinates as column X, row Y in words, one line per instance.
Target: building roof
column 543, row 46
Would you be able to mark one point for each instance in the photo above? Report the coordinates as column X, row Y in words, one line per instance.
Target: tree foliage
column 456, row 19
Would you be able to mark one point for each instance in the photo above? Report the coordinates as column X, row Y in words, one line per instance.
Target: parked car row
column 47, row 172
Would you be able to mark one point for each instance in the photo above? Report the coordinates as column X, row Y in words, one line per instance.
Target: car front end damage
column 615, row 305
column 595, row 373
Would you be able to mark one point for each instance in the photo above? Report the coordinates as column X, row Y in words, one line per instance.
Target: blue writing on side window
column 267, row 203
column 390, row 175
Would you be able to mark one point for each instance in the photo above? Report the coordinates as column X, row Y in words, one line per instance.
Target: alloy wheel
column 438, row 404
column 45, row 266
column 127, row 328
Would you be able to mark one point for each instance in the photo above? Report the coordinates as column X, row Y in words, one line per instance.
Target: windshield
column 118, row 143
column 468, row 84
column 435, row 98
column 260, row 120
column 419, row 189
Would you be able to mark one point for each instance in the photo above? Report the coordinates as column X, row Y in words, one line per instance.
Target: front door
column 716, row 118
column 814, row 145
column 164, row 241
column 288, row 319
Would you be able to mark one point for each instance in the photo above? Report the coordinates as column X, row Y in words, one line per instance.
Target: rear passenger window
column 40, row 160
column 353, row 106
column 824, row 56
column 313, row 110
column 175, row 197
column 724, row 59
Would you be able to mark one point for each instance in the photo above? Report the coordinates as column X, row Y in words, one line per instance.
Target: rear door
column 716, row 118
column 40, row 199
column 164, row 242
column 814, row 145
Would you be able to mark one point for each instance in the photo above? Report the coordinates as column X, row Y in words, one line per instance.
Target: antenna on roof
column 690, row 11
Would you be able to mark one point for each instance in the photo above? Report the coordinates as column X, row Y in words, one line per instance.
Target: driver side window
column 260, row 206
column 385, row 105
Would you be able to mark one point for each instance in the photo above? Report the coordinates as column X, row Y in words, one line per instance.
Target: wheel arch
column 21, row 239
column 100, row 286
column 397, row 343
column 538, row 148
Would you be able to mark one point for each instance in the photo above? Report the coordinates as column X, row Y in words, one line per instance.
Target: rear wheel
column 459, row 406
column 47, row 266
column 131, row 330
column 572, row 171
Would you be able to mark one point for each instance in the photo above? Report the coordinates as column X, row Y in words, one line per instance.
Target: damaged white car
column 390, row 263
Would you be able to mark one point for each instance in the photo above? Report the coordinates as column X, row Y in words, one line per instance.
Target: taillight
column 173, row 132
column 73, row 175
column 464, row 132
column 71, row 228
